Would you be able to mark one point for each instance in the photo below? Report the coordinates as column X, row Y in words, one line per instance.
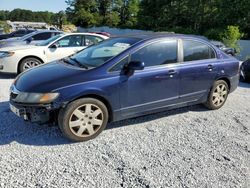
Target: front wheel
column 29, row 63
column 218, row 95
column 83, row 119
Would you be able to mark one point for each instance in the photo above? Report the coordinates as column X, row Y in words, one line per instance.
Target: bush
column 231, row 36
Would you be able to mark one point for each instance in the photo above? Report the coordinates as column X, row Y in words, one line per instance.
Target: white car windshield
column 97, row 55
column 48, row 41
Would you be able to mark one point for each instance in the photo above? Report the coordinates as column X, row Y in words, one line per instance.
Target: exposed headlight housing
column 36, row 98
column 6, row 54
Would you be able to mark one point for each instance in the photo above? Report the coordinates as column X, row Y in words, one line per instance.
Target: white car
column 20, row 58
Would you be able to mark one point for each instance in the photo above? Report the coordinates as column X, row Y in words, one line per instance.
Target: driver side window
column 158, row 53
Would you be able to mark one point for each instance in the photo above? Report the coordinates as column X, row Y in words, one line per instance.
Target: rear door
column 198, row 70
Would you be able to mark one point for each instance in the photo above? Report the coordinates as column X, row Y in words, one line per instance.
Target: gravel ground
column 188, row 147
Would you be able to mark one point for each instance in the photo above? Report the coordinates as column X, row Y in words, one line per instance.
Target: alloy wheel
column 86, row 120
column 30, row 64
column 220, row 95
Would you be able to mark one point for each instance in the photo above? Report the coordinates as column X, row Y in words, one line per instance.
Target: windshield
column 95, row 56
column 28, row 35
column 50, row 40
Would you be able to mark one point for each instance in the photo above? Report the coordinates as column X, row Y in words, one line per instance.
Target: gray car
column 32, row 38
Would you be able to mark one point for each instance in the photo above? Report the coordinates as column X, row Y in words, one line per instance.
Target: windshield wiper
column 79, row 63
column 66, row 61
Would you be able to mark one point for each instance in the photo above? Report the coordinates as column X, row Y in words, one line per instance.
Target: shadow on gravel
column 7, row 76
column 155, row 116
column 14, row 129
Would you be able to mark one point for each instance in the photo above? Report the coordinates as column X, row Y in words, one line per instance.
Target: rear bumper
column 234, row 82
column 40, row 114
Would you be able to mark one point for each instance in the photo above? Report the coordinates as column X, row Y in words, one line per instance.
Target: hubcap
column 86, row 120
column 220, row 95
column 30, row 64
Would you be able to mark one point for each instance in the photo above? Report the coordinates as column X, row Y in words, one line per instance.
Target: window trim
column 195, row 40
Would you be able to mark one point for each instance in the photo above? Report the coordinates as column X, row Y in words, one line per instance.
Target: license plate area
column 20, row 112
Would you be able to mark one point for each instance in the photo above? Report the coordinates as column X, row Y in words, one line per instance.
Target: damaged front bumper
column 35, row 113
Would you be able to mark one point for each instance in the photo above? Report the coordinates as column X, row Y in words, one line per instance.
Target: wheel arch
column 226, row 80
column 29, row 56
column 100, row 98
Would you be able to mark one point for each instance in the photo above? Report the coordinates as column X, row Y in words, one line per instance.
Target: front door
column 156, row 86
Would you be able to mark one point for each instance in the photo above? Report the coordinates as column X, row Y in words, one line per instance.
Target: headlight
column 6, row 54
column 36, row 97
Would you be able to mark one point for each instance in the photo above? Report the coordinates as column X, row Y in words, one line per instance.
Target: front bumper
column 8, row 65
column 40, row 114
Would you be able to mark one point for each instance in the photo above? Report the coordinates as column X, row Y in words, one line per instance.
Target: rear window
column 194, row 50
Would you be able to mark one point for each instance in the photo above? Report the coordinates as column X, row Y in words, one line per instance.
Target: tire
column 218, row 95
column 78, row 125
column 28, row 63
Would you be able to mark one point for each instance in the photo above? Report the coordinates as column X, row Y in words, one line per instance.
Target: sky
column 34, row 5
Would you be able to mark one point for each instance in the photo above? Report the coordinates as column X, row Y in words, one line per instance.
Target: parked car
column 245, row 71
column 227, row 50
column 122, row 78
column 18, row 33
column 20, row 58
column 32, row 38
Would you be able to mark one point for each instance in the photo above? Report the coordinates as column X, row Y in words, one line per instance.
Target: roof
column 148, row 36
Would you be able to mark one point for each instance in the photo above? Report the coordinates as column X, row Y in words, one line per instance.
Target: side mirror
column 29, row 40
column 133, row 66
column 54, row 46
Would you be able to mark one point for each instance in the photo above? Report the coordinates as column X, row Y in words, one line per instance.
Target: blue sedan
column 124, row 77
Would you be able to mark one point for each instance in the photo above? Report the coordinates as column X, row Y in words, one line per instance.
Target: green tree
column 231, row 37
column 83, row 12
column 59, row 19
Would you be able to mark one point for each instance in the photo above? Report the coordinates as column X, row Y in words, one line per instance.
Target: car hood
column 21, row 47
column 49, row 77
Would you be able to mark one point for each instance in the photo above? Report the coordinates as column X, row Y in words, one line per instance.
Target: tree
column 59, row 19
column 83, row 12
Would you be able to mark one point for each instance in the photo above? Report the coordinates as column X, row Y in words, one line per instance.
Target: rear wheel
column 218, row 95
column 83, row 119
column 29, row 63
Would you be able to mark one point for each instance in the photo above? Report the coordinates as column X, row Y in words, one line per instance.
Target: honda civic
column 124, row 77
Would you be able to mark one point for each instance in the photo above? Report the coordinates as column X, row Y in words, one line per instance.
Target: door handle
column 171, row 73
column 210, row 68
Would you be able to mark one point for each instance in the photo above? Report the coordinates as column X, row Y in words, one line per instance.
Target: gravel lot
column 188, row 147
